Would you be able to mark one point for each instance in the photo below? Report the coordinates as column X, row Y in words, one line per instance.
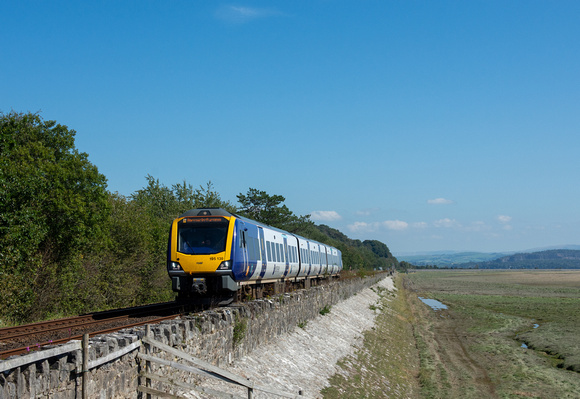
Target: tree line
column 69, row 246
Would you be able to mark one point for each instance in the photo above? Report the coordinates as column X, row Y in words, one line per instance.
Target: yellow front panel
column 200, row 263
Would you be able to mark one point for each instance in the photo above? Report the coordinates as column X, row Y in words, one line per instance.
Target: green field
column 474, row 348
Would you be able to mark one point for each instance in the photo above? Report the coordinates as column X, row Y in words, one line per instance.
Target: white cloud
column 440, row 201
column 326, row 216
column 419, row 225
column 240, row 15
column 395, row 224
column 363, row 213
column 504, row 219
column 360, row 227
column 447, row 223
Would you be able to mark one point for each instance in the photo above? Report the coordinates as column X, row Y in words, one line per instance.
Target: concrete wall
column 218, row 336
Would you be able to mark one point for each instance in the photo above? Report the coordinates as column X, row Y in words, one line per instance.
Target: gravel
column 306, row 358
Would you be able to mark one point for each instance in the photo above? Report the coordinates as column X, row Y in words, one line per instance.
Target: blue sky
column 428, row 125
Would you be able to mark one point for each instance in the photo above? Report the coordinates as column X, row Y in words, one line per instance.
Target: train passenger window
column 269, row 250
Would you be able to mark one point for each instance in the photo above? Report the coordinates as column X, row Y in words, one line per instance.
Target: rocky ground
column 305, row 359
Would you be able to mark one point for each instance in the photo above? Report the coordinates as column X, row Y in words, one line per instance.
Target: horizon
column 423, row 125
column 573, row 247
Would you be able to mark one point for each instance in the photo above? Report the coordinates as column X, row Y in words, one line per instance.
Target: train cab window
column 202, row 236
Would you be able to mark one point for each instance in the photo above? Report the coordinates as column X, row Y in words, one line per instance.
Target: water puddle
column 523, row 343
column 433, row 303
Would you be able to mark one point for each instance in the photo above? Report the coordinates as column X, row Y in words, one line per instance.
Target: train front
column 199, row 254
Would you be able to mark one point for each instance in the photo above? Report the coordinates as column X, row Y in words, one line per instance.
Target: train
column 217, row 255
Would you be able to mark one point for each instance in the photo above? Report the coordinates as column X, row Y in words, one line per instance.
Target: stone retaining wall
column 218, row 336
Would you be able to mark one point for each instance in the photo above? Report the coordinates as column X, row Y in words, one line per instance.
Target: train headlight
column 174, row 267
column 225, row 265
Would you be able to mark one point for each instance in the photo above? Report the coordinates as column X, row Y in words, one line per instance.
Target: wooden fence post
column 148, row 363
column 85, row 377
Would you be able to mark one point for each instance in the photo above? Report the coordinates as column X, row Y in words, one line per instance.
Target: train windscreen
column 202, row 235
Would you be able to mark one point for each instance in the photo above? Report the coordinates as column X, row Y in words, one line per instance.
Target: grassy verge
column 386, row 366
column 473, row 349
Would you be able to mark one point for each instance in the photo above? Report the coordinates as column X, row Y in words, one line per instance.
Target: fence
column 200, row 367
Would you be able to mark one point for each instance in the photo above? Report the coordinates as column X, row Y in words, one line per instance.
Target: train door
column 286, row 260
column 241, row 261
column 263, row 251
column 309, row 257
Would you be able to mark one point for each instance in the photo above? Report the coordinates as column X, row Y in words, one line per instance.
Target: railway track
column 22, row 339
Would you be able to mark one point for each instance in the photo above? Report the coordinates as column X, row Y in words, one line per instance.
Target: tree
column 268, row 209
column 53, row 203
column 207, row 197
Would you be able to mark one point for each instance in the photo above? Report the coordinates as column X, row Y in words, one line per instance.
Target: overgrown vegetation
column 68, row 245
column 474, row 348
column 240, row 328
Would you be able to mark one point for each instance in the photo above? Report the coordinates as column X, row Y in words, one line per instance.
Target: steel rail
column 30, row 348
column 8, row 333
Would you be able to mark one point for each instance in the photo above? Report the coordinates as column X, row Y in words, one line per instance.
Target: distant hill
column 459, row 259
column 552, row 259
column 449, row 259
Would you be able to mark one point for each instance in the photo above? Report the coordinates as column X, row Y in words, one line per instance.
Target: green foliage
column 325, row 310
column 240, row 328
column 68, row 246
column 53, row 202
column 268, row 209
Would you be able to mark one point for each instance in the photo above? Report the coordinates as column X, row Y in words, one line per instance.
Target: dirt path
column 444, row 350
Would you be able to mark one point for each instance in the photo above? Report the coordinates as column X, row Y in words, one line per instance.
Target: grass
column 386, row 365
column 325, row 310
column 473, row 349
